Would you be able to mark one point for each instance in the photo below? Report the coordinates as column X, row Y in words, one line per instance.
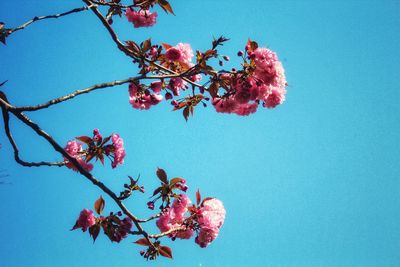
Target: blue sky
column 314, row 182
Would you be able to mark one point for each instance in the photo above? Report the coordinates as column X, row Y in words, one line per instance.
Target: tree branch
column 170, row 231
column 55, row 16
column 6, row 120
column 36, row 128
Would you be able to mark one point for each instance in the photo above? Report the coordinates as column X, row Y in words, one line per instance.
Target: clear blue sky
column 315, row 182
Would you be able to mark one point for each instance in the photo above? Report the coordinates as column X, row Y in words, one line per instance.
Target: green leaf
column 99, row 205
column 162, row 175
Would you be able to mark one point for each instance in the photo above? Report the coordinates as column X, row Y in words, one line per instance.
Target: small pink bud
column 240, row 53
column 226, row 58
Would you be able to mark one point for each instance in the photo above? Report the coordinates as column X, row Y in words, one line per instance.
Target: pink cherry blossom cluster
column 85, row 220
column 97, row 148
column 206, row 220
column 74, row 149
column 266, row 84
column 211, row 217
column 173, row 217
column 119, row 151
column 141, row 98
column 141, row 18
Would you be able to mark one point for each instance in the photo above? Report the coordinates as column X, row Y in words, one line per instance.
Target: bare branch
column 150, row 218
column 170, row 231
column 6, row 120
column 55, row 16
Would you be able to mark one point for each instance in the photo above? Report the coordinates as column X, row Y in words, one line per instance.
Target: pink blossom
column 225, row 105
column 212, row 213
column 86, row 220
column 74, row 149
column 119, row 151
column 180, row 53
column 276, row 97
column 142, row 18
column 268, row 68
column 139, row 100
column 210, row 218
column 246, row 109
column 206, row 236
column 173, row 54
column 156, row 86
column 173, row 217
column 176, row 84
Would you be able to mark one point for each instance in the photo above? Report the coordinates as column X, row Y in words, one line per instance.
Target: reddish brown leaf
column 175, row 181
column 165, row 251
column 142, row 242
column 166, row 6
column 99, row 205
column 158, row 190
column 85, row 139
column 198, row 197
column 146, row 45
column 166, row 46
column 162, row 175
column 89, row 157
column 213, row 89
column 94, row 231
column 186, row 113
column 180, row 105
column 252, row 45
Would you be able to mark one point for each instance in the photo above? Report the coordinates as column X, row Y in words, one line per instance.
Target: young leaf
column 198, row 197
column 162, row 175
column 158, row 190
column 166, row 6
column 166, row 46
column 146, row 45
column 142, row 242
column 175, row 181
column 94, row 231
column 165, row 251
column 99, row 205
column 186, row 113
column 85, row 139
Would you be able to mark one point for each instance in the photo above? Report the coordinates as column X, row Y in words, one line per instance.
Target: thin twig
column 150, row 218
column 177, row 229
column 6, row 120
column 55, row 16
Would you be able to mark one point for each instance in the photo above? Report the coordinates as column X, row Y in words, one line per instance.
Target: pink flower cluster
column 119, row 151
column 74, row 149
column 208, row 220
column 86, row 220
column 143, row 99
column 267, row 84
column 180, row 53
column 173, row 217
column 142, row 18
